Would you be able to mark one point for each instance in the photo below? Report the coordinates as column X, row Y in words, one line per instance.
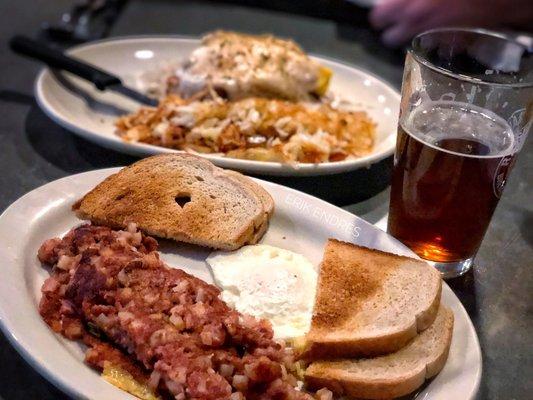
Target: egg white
column 268, row 282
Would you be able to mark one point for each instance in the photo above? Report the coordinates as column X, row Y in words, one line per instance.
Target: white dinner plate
column 301, row 223
column 76, row 105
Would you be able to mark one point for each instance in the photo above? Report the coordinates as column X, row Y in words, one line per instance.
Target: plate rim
column 67, row 387
column 250, row 166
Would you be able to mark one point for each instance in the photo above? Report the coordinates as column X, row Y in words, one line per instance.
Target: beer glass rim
column 422, row 60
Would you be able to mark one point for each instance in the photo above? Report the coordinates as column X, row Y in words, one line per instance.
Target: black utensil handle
column 56, row 59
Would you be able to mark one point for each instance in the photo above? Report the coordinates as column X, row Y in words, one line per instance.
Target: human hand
column 403, row 19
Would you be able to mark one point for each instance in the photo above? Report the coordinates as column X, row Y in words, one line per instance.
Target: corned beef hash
column 155, row 331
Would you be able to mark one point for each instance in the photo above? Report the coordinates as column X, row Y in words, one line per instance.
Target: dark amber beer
column 451, row 163
column 465, row 111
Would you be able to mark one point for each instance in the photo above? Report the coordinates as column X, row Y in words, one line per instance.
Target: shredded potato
column 255, row 128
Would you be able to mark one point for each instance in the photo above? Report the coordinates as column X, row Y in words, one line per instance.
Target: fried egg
column 268, row 282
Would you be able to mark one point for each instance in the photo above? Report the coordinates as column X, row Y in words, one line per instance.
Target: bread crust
column 266, row 200
column 258, row 190
column 320, row 349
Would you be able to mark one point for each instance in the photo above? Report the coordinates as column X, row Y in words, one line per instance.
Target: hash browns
column 255, row 129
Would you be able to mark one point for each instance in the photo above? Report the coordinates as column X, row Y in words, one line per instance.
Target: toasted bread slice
column 369, row 302
column 392, row 375
column 181, row 197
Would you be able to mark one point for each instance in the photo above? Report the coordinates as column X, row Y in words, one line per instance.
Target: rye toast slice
column 369, row 302
column 393, row 375
column 177, row 196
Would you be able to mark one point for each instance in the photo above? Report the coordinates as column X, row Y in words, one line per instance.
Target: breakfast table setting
column 44, row 141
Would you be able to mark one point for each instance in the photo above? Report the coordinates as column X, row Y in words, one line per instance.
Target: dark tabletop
column 497, row 293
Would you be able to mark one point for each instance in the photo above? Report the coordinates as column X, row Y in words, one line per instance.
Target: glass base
column 452, row 269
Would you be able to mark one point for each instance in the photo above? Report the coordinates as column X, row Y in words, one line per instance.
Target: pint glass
column 466, row 108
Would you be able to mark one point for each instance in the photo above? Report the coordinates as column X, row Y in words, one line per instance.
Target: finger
column 399, row 34
column 418, row 16
column 387, row 12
